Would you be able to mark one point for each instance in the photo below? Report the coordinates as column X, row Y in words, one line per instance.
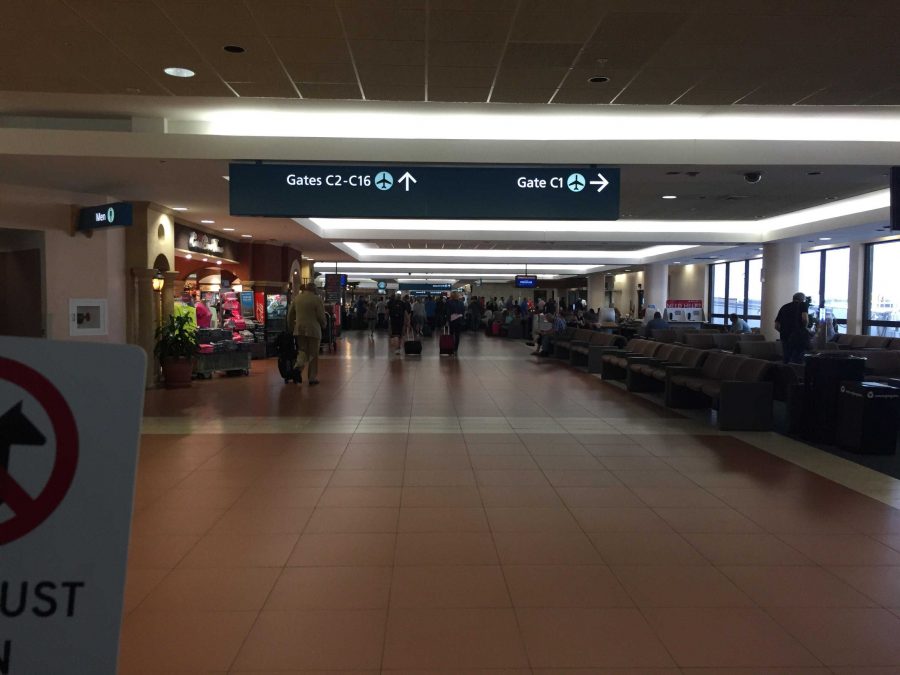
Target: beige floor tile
column 519, row 495
column 441, row 497
column 139, row 583
column 262, row 521
column 545, row 548
column 645, row 548
column 745, row 549
column 363, row 519
column 620, row 520
column 680, row 586
column 795, row 587
column 363, row 496
column 531, row 520
column 159, row 550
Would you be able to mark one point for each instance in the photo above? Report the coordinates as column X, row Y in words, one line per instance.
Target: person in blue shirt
column 738, row 325
column 657, row 322
column 430, row 307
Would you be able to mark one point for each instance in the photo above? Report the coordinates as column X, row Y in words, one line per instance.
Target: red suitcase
column 446, row 344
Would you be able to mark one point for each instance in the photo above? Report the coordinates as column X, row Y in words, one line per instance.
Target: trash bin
column 823, row 375
column 867, row 417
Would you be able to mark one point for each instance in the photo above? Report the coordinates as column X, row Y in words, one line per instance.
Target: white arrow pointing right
column 602, row 182
column 406, row 179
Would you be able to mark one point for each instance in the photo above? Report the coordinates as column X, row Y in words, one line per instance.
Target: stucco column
column 856, row 289
column 142, row 316
column 781, row 278
column 169, row 289
column 656, row 285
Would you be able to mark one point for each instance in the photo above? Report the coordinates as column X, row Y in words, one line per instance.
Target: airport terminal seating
column 614, row 362
column 760, row 349
column 648, row 373
column 597, row 343
column 846, row 341
column 563, row 343
column 740, row 388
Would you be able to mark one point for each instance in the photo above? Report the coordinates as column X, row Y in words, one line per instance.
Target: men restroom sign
column 69, row 424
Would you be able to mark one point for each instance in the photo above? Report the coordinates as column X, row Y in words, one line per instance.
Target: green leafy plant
column 176, row 338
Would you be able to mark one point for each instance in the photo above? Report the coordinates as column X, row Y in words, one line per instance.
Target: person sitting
column 738, row 325
column 546, row 337
column 656, row 323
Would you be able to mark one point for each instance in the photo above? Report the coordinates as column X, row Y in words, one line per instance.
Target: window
column 882, row 313
column 837, row 281
column 736, row 288
column 825, row 277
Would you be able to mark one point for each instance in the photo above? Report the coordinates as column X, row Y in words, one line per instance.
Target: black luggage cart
column 328, row 334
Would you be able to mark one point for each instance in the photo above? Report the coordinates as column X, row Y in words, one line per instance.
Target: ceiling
column 697, row 52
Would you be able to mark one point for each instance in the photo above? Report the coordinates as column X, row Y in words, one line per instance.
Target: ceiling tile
column 557, row 21
column 330, row 91
column 48, row 15
column 460, row 77
column 458, row 94
column 393, row 75
column 201, row 85
column 380, row 24
column 129, row 17
column 539, row 55
column 602, row 94
column 465, row 54
column 886, row 97
column 658, row 86
column 837, row 96
column 498, row 6
column 510, row 95
column 292, row 51
column 257, row 64
column 323, row 72
column 207, row 18
column 469, row 27
column 281, row 89
column 647, row 27
column 578, row 78
column 317, row 19
column 617, row 56
column 530, row 78
column 389, row 52
column 391, row 92
column 59, row 84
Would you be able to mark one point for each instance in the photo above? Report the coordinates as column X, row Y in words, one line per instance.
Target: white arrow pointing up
column 602, row 182
column 406, row 179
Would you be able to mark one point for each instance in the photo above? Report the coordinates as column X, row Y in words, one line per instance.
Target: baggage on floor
column 286, row 349
column 495, row 329
column 447, row 345
column 426, row 330
column 412, row 346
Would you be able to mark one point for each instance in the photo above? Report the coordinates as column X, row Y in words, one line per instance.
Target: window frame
column 821, row 293
column 741, row 302
column 868, row 323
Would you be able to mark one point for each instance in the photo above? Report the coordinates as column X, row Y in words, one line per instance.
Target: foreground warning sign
column 69, row 429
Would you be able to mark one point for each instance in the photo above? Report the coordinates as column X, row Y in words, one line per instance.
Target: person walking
column 306, row 316
column 398, row 310
column 372, row 317
column 380, row 311
column 792, row 324
column 457, row 314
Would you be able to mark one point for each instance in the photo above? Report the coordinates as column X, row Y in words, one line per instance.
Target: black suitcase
column 412, row 347
column 286, row 349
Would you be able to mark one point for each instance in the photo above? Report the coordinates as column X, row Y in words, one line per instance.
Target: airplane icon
column 384, row 180
column 575, row 182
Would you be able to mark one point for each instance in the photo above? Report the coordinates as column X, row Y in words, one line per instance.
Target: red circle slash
column 31, row 512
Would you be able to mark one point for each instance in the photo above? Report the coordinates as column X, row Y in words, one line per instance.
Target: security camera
column 753, row 176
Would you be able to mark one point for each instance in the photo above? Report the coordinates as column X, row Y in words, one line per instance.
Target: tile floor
column 494, row 513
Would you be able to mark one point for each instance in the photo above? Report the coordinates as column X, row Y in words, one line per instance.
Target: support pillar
column 656, row 285
column 856, row 289
column 781, row 278
column 143, row 315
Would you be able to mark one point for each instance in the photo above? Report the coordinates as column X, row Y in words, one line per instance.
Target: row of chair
column 740, row 388
column 583, row 347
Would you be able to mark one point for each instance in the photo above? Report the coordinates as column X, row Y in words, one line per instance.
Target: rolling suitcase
column 412, row 346
column 446, row 341
column 286, row 349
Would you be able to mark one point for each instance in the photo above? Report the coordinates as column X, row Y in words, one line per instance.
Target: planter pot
column 177, row 373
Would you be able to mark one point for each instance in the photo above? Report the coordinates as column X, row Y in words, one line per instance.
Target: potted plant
column 176, row 343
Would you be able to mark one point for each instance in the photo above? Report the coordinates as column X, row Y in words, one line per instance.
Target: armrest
column 578, row 342
column 682, row 370
column 641, row 359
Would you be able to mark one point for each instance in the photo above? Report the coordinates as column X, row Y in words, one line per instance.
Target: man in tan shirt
column 306, row 317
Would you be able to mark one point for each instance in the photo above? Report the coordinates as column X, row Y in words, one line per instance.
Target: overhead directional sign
column 425, row 191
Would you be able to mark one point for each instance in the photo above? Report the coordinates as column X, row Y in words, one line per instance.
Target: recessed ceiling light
column 208, row 222
column 179, row 208
column 205, row 259
column 179, row 72
column 719, row 261
column 218, row 262
column 234, row 49
column 670, row 196
column 598, row 79
column 677, row 262
column 228, row 229
column 188, row 256
column 824, row 238
column 247, row 236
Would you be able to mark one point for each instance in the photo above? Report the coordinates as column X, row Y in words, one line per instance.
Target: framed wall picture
column 87, row 316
